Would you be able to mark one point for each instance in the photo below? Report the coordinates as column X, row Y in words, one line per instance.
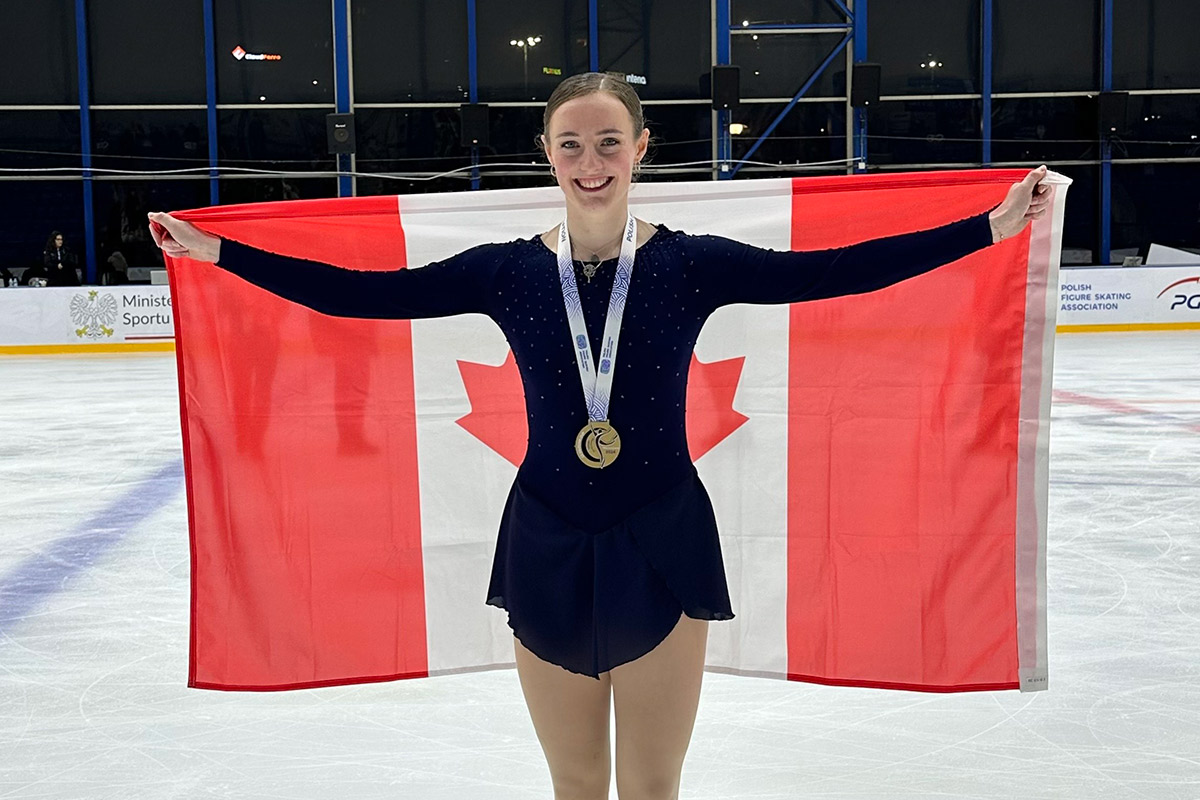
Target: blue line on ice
column 49, row 570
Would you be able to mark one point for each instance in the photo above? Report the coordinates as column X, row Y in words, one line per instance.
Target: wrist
column 997, row 234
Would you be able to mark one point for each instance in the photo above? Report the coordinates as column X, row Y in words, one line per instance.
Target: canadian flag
column 877, row 463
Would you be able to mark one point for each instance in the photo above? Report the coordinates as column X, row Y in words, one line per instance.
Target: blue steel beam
column 837, row 5
column 1107, row 46
column 85, row 140
column 1105, row 254
column 341, row 84
column 593, row 36
column 986, row 88
column 210, row 101
column 846, row 12
column 860, row 114
column 823, row 26
column 473, row 82
column 724, row 142
column 803, row 89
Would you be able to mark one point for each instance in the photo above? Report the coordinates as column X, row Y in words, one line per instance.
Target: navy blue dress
column 591, row 585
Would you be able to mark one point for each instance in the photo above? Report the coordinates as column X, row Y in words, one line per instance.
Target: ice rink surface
column 94, row 632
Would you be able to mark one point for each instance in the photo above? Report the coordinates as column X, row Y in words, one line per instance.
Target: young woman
column 607, row 559
column 59, row 262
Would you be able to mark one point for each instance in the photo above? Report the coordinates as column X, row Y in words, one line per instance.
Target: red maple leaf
column 497, row 416
column 710, row 414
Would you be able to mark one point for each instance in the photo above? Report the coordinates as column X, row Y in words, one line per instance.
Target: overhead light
column 737, row 128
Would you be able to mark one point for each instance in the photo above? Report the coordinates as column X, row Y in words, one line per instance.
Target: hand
column 1026, row 200
column 183, row 239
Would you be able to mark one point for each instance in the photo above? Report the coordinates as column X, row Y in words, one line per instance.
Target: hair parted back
column 589, row 83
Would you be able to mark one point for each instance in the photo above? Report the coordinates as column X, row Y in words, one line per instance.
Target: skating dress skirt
column 595, row 566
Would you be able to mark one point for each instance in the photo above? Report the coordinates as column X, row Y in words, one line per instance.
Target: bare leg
column 656, row 698
column 570, row 715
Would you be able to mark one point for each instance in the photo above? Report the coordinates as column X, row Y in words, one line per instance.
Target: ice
column 94, row 607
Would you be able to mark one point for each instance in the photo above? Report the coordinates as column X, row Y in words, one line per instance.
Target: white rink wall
column 81, row 318
column 107, row 318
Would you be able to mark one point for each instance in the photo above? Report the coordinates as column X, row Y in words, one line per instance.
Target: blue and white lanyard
column 597, row 384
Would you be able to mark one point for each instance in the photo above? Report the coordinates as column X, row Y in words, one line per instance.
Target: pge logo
column 1181, row 300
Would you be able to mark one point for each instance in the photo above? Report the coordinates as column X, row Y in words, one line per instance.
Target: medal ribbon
column 596, row 379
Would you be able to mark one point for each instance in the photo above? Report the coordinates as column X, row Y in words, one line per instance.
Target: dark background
column 409, row 65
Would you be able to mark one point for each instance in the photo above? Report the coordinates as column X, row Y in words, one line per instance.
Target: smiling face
column 591, row 143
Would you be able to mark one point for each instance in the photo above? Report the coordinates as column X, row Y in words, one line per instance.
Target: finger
column 156, row 229
column 164, row 239
column 173, row 226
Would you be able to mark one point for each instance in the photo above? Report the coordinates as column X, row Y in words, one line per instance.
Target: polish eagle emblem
column 94, row 313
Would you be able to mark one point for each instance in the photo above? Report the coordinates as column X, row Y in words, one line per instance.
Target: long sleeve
column 726, row 271
column 457, row 285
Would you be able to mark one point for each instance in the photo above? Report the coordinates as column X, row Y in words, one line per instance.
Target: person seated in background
column 35, row 276
column 59, row 262
column 116, row 270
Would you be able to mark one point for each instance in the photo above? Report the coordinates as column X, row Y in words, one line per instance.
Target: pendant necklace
column 590, row 267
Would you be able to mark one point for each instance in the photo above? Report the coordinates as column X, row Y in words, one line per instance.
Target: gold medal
column 598, row 444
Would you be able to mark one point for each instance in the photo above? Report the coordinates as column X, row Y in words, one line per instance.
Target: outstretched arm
column 731, row 272
column 458, row 285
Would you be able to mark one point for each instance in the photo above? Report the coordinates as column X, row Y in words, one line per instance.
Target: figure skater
column 607, row 559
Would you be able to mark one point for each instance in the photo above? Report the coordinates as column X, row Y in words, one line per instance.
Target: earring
column 553, row 174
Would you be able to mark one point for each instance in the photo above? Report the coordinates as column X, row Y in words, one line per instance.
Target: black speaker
column 726, row 86
column 864, row 88
column 339, row 130
column 1112, row 113
column 474, row 124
